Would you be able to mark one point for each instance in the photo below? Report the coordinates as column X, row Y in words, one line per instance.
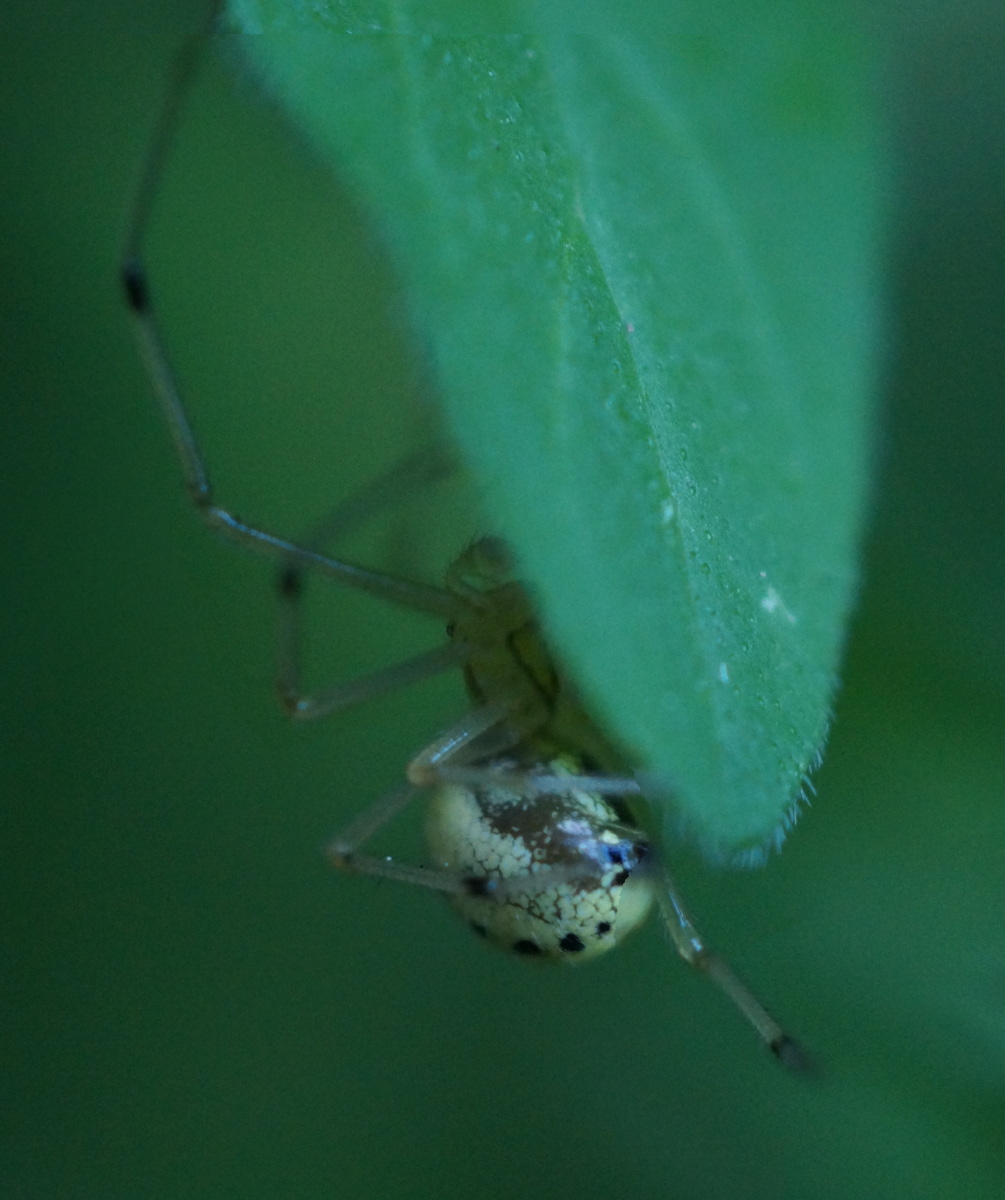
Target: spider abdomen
column 547, row 876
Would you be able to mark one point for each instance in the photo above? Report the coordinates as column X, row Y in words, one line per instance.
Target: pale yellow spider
column 530, row 826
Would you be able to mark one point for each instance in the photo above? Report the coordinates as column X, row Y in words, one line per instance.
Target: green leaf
column 640, row 241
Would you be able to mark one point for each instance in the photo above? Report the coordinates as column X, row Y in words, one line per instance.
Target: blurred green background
column 192, row 1004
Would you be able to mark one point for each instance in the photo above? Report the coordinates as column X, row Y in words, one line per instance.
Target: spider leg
column 409, row 474
column 342, row 850
column 137, row 293
column 481, row 733
column 696, row 953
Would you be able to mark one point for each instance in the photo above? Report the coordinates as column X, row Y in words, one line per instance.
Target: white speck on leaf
column 772, row 603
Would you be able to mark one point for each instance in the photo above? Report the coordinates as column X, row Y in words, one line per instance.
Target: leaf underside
column 639, row 241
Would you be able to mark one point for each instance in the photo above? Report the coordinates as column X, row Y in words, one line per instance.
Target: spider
column 532, row 821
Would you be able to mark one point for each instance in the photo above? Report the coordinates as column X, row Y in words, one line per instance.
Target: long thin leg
column 154, row 353
column 342, row 850
column 692, row 948
column 389, row 679
column 391, row 488
column 480, row 733
column 408, row 474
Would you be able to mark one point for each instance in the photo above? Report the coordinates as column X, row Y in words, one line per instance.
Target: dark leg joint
column 292, row 702
column 134, row 285
column 790, row 1054
column 290, row 583
column 339, row 858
